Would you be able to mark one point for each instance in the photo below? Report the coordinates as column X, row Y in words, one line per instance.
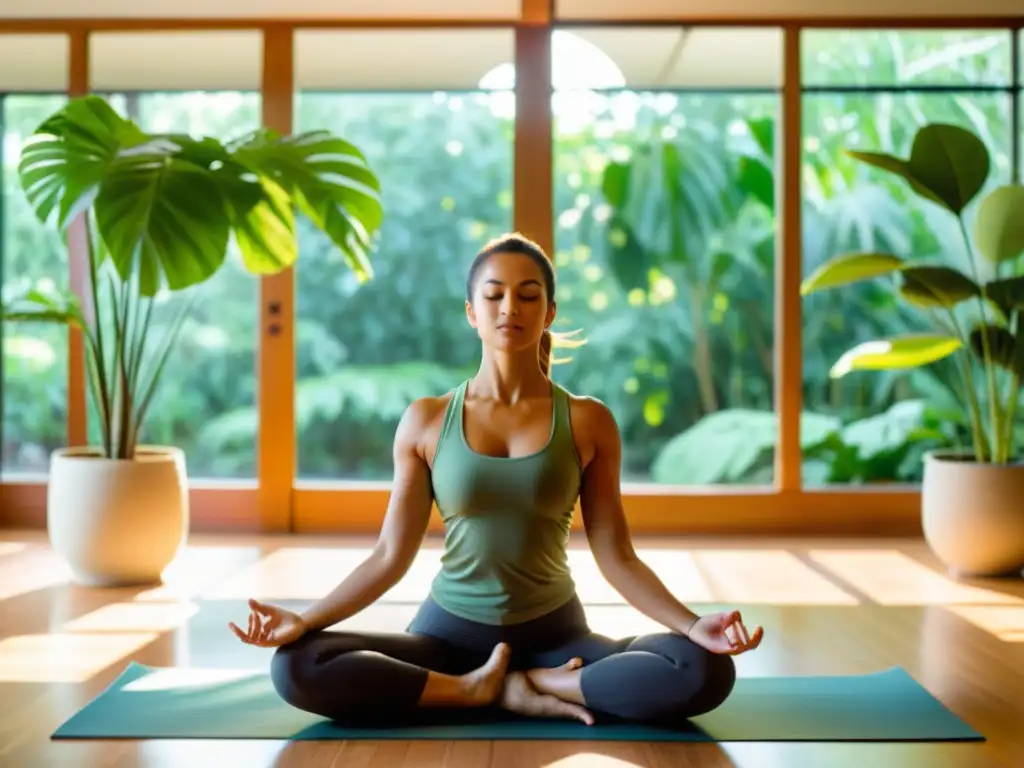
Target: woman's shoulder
column 422, row 423
column 588, row 412
column 424, row 411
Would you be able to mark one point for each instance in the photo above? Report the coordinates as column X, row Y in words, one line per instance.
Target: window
column 33, row 75
column 872, row 90
column 665, row 242
column 442, row 148
column 206, row 402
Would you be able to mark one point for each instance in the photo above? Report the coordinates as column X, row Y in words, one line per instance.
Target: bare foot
column 482, row 686
column 519, row 695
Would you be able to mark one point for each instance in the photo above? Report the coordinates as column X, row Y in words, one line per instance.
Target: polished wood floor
column 828, row 607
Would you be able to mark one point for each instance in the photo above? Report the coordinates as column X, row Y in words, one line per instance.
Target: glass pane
column 364, row 352
column 666, row 57
column 665, row 247
column 35, row 356
column 906, row 58
column 205, row 403
column 871, row 427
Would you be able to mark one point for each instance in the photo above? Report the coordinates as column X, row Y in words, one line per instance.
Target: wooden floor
column 828, row 607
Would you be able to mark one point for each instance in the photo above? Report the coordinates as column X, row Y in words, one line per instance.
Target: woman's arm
column 405, row 525
column 607, row 530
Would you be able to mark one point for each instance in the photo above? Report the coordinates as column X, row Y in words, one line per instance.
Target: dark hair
column 517, row 243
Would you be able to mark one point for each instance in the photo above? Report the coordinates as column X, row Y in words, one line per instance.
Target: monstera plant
column 971, row 499
column 157, row 214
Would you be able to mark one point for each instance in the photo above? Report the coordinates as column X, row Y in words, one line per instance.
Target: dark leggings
column 360, row 676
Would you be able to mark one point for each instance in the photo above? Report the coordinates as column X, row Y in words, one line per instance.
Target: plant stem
column 125, row 424
column 140, row 345
column 981, row 443
column 990, row 372
column 117, row 405
column 159, row 361
column 1016, row 365
column 103, row 395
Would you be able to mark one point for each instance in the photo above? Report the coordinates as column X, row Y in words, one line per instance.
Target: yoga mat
column 190, row 703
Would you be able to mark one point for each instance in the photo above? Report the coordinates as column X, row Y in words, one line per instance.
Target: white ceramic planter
column 117, row 522
column 973, row 515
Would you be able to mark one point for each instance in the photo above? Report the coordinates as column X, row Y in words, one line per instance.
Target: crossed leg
column 646, row 678
column 361, row 676
column 365, row 676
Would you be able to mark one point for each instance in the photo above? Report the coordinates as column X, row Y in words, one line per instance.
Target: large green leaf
column 265, row 233
column 850, row 268
column 936, row 286
column 886, row 162
column 895, row 354
column 35, row 306
column 675, row 195
column 165, row 218
column 331, row 182
column 763, row 130
column 1007, row 294
column 950, row 162
column 262, row 215
column 999, row 226
column 947, row 165
column 615, row 184
column 755, row 178
column 727, row 446
column 64, row 161
column 630, row 261
column 1002, row 346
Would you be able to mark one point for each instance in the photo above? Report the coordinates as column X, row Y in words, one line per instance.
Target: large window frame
column 277, row 501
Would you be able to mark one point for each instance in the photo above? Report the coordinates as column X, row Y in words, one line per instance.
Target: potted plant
column 160, row 211
column 972, row 500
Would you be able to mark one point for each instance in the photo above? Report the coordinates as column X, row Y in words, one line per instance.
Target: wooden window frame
column 278, row 501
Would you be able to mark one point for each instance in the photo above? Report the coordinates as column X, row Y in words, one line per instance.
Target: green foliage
column 999, row 228
column 732, row 445
column 160, row 211
column 896, row 353
column 737, row 445
column 949, row 166
column 850, row 268
column 886, row 447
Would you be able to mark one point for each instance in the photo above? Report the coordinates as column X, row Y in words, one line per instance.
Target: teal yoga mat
column 189, row 703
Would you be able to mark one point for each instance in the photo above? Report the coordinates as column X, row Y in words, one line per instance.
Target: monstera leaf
column 166, row 205
column 161, row 212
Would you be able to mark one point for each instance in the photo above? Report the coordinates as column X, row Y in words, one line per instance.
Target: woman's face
column 510, row 309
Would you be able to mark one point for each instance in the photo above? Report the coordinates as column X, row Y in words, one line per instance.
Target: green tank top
column 506, row 521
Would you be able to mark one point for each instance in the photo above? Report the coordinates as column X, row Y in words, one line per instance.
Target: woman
column 505, row 456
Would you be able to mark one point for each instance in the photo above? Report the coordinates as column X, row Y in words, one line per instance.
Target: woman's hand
column 270, row 626
column 724, row 633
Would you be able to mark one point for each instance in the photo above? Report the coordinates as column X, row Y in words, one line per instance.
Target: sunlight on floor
column 1005, row 623
column 197, row 568
column 65, row 658
column 620, row 621
column 11, row 547
column 890, row 577
column 175, row 678
column 592, row 760
column 379, row 617
column 257, row 753
column 679, row 572
column 290, row 574
column 30, row 569
column 772, row 576
column 134, row 617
